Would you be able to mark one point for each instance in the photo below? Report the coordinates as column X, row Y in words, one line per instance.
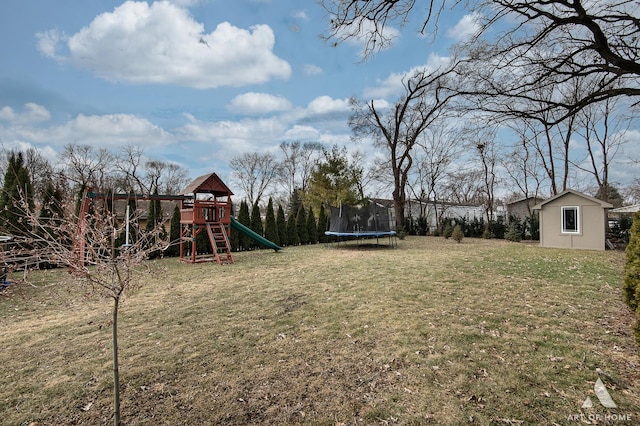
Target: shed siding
column 591, row 235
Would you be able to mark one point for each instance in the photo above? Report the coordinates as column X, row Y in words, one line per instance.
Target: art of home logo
column 606, row 401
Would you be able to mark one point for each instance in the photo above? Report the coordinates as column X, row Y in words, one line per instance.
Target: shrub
column 457, row 233
column 632, row 272
column 475, row 228
column 423, row 226
column 447, row 231
column 621, row 229
column 632, row 265
column 533, row 222
column 401, row 232
column 513, row 233
column 497, row 228
column 487, row 234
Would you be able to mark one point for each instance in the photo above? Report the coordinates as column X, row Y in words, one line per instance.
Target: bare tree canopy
column 534, row 44
column 399, row 128
column 297, row 164
column 141, row 174
column 254, row 173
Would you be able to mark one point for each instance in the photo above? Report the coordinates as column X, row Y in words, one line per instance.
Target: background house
column 522, row 208
column 573, row 220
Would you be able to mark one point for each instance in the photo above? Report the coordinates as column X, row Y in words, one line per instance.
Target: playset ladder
column 219, row 242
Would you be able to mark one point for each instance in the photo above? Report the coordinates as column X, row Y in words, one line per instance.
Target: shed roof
column 604, row 204
column 207, row 184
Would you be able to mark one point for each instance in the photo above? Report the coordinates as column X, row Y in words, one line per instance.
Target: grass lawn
column 431, row 332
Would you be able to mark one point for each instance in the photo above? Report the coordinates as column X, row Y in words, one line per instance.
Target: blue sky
column 212, row 77
column 196, row 82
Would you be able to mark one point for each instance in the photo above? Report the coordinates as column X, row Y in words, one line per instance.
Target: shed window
column 570, row 220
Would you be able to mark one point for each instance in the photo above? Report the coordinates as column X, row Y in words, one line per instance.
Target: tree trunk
column 116, row 372
column 398, row 205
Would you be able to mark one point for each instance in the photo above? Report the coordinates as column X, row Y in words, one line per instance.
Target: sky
column 196, row 82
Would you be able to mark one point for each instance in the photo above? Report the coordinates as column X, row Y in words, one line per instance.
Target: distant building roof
column 627, row 209
column 536, row 200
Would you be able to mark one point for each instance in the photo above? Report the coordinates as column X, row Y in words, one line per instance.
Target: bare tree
column 254, row 173
column 130, row 166
column 542, row 43
column 440, row 149
column 88, row 167
column 486, row 146
column 102, row 266
column 465, row 186
column 522, row 164
column 174, row 179
column 603, row 134
column 144, row 175
column 298, row 163
column 398, row 130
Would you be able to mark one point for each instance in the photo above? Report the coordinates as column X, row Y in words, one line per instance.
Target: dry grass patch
column 430, row 332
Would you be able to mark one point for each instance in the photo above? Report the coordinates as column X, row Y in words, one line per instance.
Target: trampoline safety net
column 372, row 219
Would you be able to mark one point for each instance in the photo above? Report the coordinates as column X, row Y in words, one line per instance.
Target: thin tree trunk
column 116, row 372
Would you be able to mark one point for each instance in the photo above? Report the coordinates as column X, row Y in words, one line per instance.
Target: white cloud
column 302, row 133
column 7, row 114
column 318, row 122
column 258, row 103
column 392, row 85
column 49, row 42
column 112, row 130
column 185, row 3
column 301, row 14
column 162, row 44
column 32, row 113
column 466, row 27
column 327, row 105
column 358, row 34
column 35, row 113
column 234, row 136
column 310, row 69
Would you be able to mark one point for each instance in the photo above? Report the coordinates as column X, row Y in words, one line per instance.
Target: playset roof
column 207, row 184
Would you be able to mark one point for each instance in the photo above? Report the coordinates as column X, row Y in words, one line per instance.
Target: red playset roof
column 207, row 184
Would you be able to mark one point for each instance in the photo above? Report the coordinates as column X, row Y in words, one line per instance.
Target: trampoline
column 360, row 223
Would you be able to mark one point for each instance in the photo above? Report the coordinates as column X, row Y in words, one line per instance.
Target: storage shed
column 573, row 220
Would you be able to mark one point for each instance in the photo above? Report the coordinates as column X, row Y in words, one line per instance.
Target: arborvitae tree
column 312, row 227
column 234, row 236
column 17, row 186
column 154, row 218
column 132, row 202
column 301, row 225
column 281, row 224
column 457, row 234
column 323, row 225
column 632, row 272
column 245, row 219
column 174, row 234
column 295, row 202
column 51, row 216
column 79, row 197
column 270, row 226
column 256, row 224
column 51, row 204
column 632, row 265
column 292, row 230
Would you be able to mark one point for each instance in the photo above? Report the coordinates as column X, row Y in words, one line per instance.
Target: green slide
column 253, row 235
